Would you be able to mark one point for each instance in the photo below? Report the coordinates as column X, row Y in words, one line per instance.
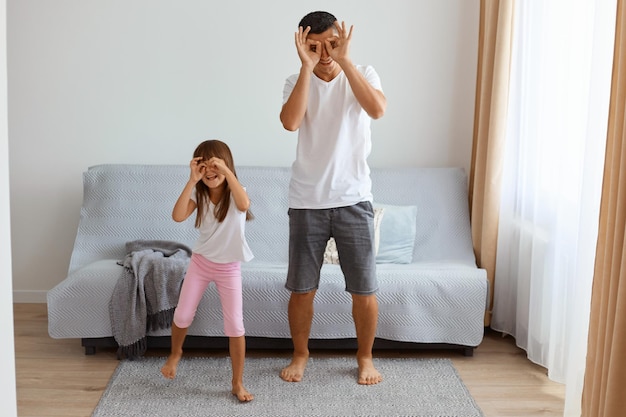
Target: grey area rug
column 411, row 387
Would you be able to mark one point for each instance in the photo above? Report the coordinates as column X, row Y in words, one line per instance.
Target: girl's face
column 212, row 178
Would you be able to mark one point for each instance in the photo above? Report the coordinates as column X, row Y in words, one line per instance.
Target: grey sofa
column 431, row 292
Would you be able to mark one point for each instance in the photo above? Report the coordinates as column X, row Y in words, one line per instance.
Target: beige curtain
column 492, row 93
column 605, row 374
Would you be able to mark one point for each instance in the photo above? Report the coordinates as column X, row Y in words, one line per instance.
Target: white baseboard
column 29, row 296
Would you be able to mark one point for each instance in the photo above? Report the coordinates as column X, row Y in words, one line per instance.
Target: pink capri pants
column 227, row 277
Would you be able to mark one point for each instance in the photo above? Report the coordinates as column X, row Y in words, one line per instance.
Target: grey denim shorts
column 353, row 230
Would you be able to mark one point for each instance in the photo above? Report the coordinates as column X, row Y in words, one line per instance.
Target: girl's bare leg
column 178, row 338
column 237, row 348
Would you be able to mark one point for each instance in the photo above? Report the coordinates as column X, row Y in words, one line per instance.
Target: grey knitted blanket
column 146, row 295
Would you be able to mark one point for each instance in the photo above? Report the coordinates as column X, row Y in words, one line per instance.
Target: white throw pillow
column 331, row 256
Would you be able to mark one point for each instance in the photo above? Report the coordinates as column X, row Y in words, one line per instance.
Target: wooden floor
column 56, row 378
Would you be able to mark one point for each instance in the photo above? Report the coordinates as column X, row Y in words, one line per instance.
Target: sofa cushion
column 77, row 305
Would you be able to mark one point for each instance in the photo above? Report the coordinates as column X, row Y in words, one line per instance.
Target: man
column 331, row 103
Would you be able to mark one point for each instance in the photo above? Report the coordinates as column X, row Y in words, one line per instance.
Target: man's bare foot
column 295, row 370
column 241, row 393
column 368, row 375
column 169, row 369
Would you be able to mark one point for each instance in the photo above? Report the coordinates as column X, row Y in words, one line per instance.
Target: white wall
column 144, row 81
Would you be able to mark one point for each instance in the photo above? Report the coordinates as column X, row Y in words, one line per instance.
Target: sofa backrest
column 443, row 233
column 122, row 203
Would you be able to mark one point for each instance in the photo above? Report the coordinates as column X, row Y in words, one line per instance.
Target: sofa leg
column 468, row 351
column 90, row 350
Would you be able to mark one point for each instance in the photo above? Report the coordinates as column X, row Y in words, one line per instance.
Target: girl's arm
column 185, row 205
column 239, row 194
column 236, row 189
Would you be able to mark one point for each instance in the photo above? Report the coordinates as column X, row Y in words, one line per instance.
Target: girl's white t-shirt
column 334, row 141
column 223, row 242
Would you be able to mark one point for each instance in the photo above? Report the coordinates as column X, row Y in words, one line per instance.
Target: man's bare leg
column 178, row 338
column 237, row 349
column 300, row 313
column 365, row 314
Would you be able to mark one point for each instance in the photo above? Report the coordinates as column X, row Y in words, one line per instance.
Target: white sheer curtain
column 557, row 122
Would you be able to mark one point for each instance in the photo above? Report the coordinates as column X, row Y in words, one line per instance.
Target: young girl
column 221, row 206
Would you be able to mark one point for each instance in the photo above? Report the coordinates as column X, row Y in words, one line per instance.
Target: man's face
column 326, row 65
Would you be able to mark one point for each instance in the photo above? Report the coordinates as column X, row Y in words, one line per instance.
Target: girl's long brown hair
column 207, row 150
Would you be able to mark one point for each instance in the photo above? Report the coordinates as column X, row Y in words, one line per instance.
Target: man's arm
column 309, row 51
column 294, row 108
column 372, row 100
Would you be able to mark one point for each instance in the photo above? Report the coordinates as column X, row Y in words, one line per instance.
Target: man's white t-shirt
column 223, row 242
column 334, row 141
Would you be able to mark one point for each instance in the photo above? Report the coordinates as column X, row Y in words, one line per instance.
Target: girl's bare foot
column 295, row 370
column 368, row 374
column 169, row 369
column 241, row 393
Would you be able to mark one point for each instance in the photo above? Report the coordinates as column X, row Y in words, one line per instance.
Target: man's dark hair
column 320, row 22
